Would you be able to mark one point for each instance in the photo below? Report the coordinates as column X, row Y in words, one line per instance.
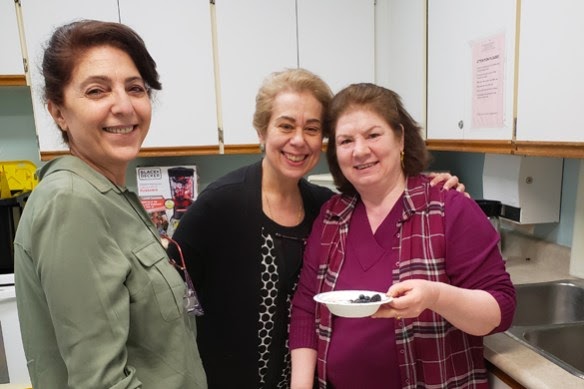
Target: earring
column 263, row 147
column 401, row 158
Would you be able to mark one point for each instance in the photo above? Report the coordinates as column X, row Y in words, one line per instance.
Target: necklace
column 271, row 214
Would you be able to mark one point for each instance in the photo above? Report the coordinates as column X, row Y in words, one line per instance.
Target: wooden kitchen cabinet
column 178, row 36
column 11, row 59
column 498, row 379
column 550, row 86
column 40, row 18
column 468, row 39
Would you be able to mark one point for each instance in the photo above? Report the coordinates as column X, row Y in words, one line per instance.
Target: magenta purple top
column 362, row 352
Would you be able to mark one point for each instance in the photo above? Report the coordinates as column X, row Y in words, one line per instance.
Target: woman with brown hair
column 99, row 303
column 390, row 230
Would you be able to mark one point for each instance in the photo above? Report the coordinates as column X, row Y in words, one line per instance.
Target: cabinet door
column 336, row 40
column 178, row 36
column 550, row 86
column 400, row 48
column 497, row 383
column 254, row 39
column 40, row 18
column 457, row 76
column 11, row 58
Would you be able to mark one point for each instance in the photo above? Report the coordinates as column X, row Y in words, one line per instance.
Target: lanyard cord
column 191, row 300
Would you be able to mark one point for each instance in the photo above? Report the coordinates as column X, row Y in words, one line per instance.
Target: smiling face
column 293, row 139
column 106, row 111
column 368, row 151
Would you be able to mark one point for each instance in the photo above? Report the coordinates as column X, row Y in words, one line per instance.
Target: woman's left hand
column 450, row 182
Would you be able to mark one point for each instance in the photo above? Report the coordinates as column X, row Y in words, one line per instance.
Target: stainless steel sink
column 544, row 303
column 550, row 320
column 564, row 343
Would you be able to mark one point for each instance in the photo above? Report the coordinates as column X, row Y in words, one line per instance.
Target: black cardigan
column 220, row 236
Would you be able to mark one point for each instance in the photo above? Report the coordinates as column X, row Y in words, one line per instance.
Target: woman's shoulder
column 231, row 189
column 61, row 184
column 230, row 180
column 68, row 176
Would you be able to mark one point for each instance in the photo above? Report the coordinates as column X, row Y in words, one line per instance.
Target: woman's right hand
column 473, row 311
column 410, row 298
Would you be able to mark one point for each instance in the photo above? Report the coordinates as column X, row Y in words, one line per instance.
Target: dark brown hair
column 387, row 104
column 290, row 80
column 70, row 41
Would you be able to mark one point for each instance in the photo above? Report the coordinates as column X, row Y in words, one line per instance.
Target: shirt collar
column 77, row 166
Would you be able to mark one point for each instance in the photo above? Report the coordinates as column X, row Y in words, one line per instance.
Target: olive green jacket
column 98, row 302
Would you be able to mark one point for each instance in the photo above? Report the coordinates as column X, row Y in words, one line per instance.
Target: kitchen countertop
column 530, row 261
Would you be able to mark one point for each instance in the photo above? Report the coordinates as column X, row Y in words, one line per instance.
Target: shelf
column 550, row 149
column 12, row 80
column 471, row 146
column 540, row 149
column 536, row 149
column 174, row 151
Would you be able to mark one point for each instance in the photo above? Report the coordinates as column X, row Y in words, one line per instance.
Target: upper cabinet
column 212, row 58
column 503, row 76
column 400, row 52
column 11, row 64
column 336, row 40
column 40, row 18
column 178, row 36
column 256, row 38
column 479, row 75
column 471, row 69
column 550, row 86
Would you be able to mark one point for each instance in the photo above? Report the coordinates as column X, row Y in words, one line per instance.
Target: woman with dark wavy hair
column 100, row 305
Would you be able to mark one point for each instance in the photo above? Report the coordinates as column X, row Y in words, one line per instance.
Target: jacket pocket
column 167, row 284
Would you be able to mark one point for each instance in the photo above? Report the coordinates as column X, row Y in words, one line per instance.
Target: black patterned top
column 244, row 267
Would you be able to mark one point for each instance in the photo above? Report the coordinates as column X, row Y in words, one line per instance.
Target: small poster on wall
column 166, row 192
column 488, row 78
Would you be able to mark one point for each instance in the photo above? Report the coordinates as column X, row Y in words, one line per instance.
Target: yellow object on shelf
column 4, row 188
column 20, row 175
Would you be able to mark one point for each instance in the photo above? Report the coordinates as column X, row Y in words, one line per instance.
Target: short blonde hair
column 289, row 80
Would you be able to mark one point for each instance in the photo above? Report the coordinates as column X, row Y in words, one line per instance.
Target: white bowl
column 339, row 302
